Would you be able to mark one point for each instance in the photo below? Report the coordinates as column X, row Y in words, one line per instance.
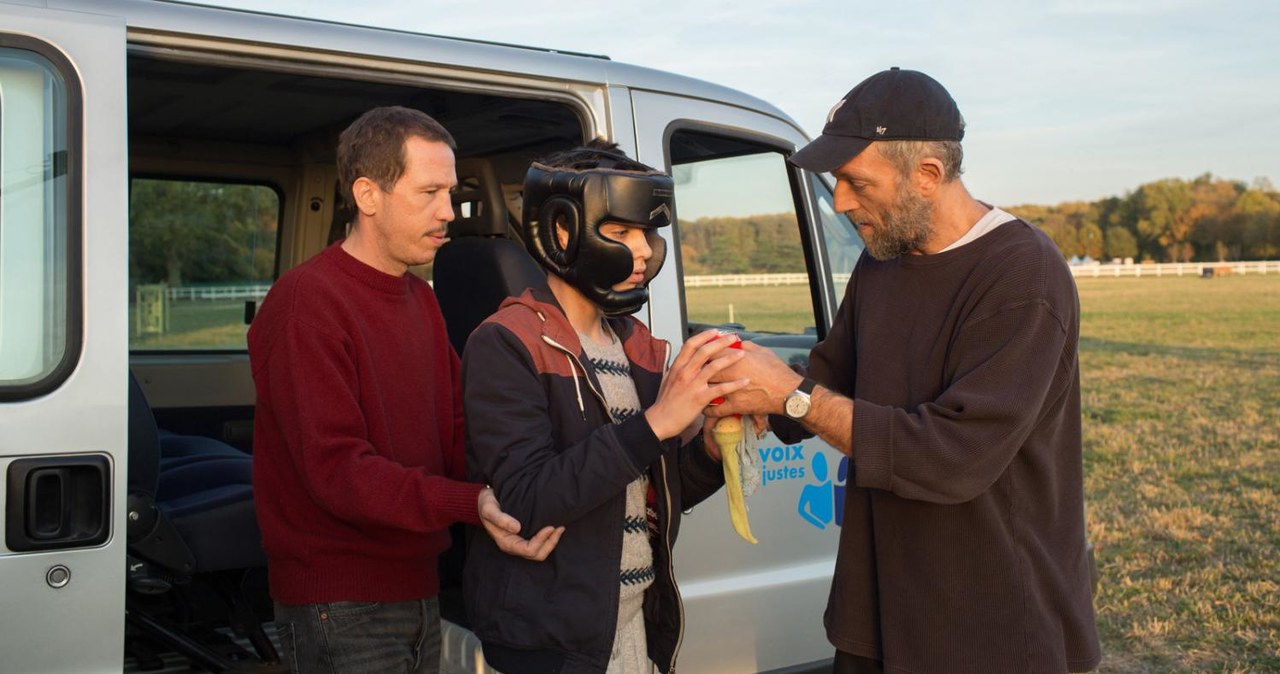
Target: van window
column 741, row 247
column 198, row 251
column 39, row 286
column 841, row 244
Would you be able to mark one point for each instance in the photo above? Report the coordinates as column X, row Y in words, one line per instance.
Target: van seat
column 479, row 208
column 203, row 487
column 479, row 267
column 186, row 520
column 474, row 275
column 210, row 503
column 179, row 450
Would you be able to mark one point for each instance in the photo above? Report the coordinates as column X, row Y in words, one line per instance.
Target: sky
column 1064, row 100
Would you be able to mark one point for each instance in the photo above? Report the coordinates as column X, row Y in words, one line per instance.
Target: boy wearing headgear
column 575, row 420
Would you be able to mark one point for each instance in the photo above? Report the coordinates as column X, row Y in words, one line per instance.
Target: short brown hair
column 373, row 146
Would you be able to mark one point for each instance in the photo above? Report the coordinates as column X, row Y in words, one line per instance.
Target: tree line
column 1205, row 219
column 192, row 232
column 755, row 244
column 1172, row 220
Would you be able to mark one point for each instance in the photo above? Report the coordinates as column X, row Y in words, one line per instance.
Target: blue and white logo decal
column 821, row 501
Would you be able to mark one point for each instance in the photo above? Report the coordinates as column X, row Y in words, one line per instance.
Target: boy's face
column 633, row 238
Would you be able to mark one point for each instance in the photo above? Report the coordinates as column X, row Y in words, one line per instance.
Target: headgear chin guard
column 579, row 201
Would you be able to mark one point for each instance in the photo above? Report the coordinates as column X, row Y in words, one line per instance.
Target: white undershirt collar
column 994, row 218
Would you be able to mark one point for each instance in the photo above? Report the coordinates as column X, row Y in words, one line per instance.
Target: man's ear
column 929, row 174
column 368, row 196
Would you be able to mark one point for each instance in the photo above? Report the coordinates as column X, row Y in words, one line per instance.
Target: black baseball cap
column 893, row 104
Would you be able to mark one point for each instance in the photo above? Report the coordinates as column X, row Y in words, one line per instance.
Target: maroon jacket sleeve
column 455, row 456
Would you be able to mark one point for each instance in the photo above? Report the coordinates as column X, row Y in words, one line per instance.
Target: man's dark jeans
column 357, row 637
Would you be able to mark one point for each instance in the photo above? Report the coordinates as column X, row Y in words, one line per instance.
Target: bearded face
column 903, row 227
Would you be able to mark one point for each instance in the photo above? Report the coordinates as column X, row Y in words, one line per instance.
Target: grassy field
column 1181, row 383
column 196, row 324
column 1181, row 380
column 760, row 308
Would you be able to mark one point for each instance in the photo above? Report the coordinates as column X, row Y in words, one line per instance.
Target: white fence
column 258, row 291
column 1175, row 269
column 1078, row 271
column 718, row 280
column 218, row 292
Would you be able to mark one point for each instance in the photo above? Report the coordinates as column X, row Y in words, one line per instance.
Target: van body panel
column 149, row 20
column 748, row 607
column 78, row 627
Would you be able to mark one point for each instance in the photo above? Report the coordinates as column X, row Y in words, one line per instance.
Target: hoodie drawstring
column 577, row 388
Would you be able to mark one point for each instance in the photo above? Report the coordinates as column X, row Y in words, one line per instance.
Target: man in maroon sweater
column 358, row 436
column 950, row 378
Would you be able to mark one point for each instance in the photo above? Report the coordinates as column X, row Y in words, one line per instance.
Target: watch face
column 797, row 405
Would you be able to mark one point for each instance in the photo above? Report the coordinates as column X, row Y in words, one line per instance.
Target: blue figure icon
column 816, row 499
column 842, row 477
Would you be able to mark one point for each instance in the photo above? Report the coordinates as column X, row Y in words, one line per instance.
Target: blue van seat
column 179, row 450
column 210, row 503
column 192, row 515
column 204, row 488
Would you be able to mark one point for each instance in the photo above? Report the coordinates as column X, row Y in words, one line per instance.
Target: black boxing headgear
column 579, row 201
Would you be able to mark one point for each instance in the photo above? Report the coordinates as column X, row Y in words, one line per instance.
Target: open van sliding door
column 63, row 348
column 749, row 251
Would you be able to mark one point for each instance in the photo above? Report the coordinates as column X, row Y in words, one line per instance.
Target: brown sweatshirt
column 963, row 546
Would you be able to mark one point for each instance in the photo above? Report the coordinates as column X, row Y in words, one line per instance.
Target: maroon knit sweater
column 358, row 434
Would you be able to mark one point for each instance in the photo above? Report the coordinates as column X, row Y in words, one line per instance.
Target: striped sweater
column 609, row 362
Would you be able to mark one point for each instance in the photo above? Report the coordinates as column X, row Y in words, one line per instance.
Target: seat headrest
column 472, row 276
column 478, row 206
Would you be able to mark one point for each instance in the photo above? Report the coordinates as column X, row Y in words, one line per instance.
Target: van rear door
column 752, row 252
column 63, row 348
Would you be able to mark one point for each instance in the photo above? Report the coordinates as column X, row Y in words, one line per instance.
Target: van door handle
column 57, row 502
column 46, row 508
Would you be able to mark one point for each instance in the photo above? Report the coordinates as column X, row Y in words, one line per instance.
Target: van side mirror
column 250, row 310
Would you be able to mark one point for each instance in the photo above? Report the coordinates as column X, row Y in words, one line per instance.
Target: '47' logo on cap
column 880, row 130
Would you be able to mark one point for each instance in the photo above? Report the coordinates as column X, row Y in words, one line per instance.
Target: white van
column 161, row 164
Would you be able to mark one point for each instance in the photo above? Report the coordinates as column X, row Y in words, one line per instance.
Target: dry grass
column 1182, row 470
column 760, row 308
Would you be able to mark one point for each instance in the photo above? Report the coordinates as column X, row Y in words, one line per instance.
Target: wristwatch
column 797, row 403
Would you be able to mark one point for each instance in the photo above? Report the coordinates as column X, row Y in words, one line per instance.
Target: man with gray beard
column 950, row 378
